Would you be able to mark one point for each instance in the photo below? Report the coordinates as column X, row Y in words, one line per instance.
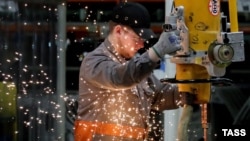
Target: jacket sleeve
column 102, row 71
column 166, row 95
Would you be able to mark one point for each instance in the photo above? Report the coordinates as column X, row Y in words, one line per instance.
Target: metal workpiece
column 172, row 19
column 175, row 22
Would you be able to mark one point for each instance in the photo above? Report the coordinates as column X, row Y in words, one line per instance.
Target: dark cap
column 135, row 16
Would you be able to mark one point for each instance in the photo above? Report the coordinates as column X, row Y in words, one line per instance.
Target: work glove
column 168, row 43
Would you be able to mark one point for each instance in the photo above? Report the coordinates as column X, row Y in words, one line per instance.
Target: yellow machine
column 209, row 45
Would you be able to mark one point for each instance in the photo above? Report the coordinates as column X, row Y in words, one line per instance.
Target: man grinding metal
column 117, row 87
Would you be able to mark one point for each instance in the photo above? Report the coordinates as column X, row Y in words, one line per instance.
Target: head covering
column 135, row 16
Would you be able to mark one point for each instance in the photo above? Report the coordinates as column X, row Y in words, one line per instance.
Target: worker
column 117, row 87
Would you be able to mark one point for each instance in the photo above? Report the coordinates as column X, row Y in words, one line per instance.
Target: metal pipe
column 204, row 120
column 61, row 70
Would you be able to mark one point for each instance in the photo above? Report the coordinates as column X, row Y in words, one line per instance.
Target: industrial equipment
column 210, row 43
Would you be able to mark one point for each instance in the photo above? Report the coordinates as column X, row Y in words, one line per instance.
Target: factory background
column 42, row 44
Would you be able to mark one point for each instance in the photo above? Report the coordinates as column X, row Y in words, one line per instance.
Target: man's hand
column 168, row 43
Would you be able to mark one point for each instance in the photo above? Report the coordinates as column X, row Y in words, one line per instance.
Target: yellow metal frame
column 202, row 18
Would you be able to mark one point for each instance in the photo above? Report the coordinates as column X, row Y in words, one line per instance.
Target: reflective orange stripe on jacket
column 84, row 130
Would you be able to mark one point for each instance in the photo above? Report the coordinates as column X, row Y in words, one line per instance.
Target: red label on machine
column 214, row 7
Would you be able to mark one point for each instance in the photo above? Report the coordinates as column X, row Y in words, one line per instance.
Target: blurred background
column 42, row 44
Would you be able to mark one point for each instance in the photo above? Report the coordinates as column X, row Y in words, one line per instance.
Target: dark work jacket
column 118, row 91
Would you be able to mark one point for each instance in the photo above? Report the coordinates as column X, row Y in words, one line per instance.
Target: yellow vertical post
column 233, row 15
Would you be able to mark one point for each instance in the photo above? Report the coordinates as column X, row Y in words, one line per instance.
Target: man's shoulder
column 100, row 51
